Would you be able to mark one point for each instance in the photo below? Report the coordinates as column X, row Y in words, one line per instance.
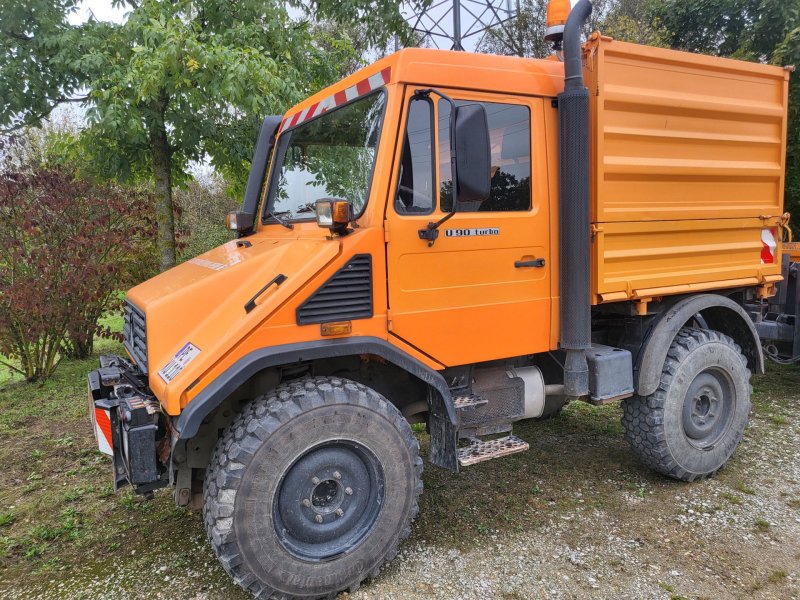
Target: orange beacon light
column 557, row 15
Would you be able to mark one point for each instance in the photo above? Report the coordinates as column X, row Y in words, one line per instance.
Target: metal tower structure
column 448, row 23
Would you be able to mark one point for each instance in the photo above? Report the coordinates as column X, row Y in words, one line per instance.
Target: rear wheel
column 311, row 489
column 691, row 426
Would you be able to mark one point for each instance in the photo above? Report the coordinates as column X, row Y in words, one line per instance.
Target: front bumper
column 128, row 424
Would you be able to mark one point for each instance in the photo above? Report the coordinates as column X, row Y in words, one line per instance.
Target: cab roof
column 439, row 68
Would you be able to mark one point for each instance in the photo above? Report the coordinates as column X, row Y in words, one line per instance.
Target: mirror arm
column 431, row 232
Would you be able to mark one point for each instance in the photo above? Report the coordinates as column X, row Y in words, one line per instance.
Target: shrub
column 66, row 246
column 201, row 207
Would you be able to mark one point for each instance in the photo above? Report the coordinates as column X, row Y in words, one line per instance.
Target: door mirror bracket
column 470, row 158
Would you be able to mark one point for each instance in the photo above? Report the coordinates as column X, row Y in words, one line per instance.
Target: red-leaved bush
column 66, row 247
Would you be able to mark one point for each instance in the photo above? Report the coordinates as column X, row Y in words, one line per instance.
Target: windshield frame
column 282, row 147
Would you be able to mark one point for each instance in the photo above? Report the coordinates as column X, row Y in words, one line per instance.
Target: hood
column 202, row 301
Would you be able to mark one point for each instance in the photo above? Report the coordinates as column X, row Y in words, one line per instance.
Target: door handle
column 526, row 264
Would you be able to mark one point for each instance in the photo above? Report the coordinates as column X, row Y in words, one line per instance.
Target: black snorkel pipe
column 574, row 136
column 258, row 173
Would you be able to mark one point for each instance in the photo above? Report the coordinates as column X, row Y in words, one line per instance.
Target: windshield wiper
column 304, row 208
column 275, row 216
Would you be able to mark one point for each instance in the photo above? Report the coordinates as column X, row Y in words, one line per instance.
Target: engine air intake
column 346, row 296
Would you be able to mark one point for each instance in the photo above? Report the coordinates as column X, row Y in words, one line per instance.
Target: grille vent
column 346, row 296
column 135, row 335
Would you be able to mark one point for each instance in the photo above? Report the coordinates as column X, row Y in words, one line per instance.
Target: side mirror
column 473, row 154
column 239, row 221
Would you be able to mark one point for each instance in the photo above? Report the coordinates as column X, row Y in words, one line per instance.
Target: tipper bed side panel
column 689, row 161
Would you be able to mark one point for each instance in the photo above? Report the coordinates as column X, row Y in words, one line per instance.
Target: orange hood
column 202, row 301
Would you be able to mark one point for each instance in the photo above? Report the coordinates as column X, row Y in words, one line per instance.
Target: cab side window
column 510, row 138
column 416, row 190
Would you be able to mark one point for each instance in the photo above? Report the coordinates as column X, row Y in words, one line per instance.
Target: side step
column 481, row 451
column 468, row 400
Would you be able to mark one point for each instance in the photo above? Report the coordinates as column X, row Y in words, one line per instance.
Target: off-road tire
column 269, row 438
column 656, row 425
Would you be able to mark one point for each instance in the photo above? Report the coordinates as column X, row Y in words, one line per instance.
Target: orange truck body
column 689, row 156
column 679, row 204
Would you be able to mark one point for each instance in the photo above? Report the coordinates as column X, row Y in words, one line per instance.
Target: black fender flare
column 442, row 412
column 720, row 314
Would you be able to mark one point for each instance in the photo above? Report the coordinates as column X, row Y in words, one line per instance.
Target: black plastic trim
column 277, row 280
column 434, row 189
column 720, row 314
column 343, row 302
column 443, row 445
column 260, row 166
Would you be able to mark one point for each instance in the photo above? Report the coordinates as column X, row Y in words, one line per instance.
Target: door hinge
column 386, row 231
column 388, row 319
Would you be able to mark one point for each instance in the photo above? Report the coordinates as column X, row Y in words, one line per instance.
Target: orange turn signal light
column 340, row 328
column 557, row 15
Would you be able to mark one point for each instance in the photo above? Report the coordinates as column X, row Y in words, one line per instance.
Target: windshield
column 329, row 157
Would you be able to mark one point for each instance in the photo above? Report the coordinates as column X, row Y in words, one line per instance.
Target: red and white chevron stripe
column 362, row 88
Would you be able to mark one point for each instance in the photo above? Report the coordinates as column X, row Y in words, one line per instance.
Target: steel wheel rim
column 328, row 500
column 708, row 408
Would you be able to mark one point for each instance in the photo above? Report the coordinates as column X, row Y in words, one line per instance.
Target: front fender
column 442, row 411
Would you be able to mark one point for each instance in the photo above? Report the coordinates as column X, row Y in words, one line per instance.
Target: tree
column 523, row 35
column 626, row 20
column 635, row 21
column 175, row 82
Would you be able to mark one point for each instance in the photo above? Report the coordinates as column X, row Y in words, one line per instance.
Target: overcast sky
column 102, row 10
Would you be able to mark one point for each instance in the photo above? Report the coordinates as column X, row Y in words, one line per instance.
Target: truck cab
column 433, row 241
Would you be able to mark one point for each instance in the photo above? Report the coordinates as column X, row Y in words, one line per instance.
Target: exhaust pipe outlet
column 573, row 109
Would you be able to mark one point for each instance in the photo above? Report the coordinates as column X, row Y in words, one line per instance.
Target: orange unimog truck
column 464, row 241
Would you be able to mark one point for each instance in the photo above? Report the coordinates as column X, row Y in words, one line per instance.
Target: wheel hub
column 328, row 500
column 708, row 408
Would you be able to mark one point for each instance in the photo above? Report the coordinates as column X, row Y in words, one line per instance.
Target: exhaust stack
column 573, row 109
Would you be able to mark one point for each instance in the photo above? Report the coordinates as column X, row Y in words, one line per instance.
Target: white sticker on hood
column 184, row 356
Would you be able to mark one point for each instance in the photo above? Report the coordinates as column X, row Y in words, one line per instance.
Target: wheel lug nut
column 318, row 518
column 348, row 491
column 337, row 475
column 315, row 480
column 339, row 512
column 306, row 502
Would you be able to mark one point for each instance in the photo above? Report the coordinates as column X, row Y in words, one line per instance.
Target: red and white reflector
column 769, row 247
column 362, row 88
column 102, row 430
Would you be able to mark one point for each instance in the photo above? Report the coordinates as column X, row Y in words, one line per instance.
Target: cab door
column 481, row 291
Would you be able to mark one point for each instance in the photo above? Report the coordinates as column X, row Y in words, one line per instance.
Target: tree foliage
column 626, row 20
column 177, row 81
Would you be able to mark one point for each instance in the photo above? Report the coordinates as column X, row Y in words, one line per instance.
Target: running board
column 468, row 400
column 481, row 451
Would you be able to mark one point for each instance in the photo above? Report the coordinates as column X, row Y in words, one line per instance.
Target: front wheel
column 311, row 489
column 693, row 423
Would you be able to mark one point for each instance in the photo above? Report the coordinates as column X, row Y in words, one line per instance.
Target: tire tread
column 643, row 416
column 241, row 440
